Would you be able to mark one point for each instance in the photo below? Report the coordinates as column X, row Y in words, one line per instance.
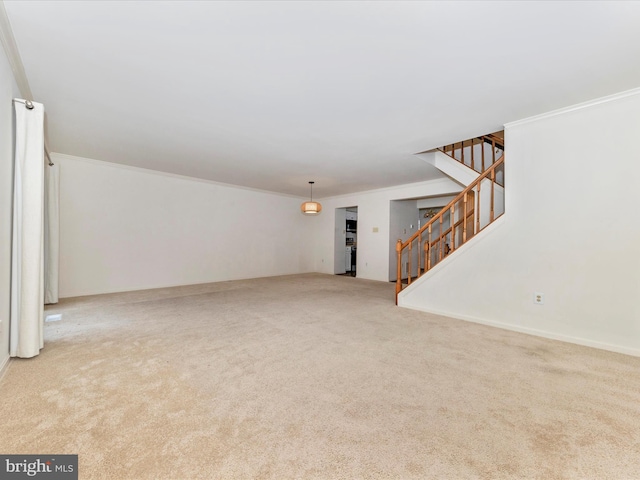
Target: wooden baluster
column 473, row 167
column 399, row 272
column 478, row 202
column 452, row 224
column 426, row 257
column 493, row 150
column 409, row 264
column 482, row 169
column 419, row 256
column 462, row 152
column 440, row 240
column 493, row 184
column 464, row 218
column 429, row 247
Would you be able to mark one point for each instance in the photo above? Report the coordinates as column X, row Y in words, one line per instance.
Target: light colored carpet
column 314, row 376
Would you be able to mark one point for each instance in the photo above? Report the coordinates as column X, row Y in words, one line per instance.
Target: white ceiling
column 271, row 95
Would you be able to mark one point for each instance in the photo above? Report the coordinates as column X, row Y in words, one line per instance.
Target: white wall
column 403, row 222
column 373, row 213
column 8, row 91
column 340, row 239
column 435, row 201
column 571, row 231
column 124, row 228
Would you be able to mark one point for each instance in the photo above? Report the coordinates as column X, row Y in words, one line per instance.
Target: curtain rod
column 29, row 106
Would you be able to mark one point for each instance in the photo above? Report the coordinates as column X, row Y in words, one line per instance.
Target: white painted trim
column 426, row 183
column 13, row 55
column 122, row 166
column 531, row 331
column 4, row 368
column 176, row 285
column 572, row 108
column 458, row 171
column 15, row 60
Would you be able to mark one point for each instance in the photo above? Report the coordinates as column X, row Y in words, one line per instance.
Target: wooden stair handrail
column 459, row 197
column 490, row 139
column 451, row 206
column 494, row 139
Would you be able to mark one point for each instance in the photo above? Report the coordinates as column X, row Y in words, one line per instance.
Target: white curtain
column 51, row 233
column 27, row 250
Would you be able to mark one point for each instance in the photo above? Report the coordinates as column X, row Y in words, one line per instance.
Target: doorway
column 346, row 241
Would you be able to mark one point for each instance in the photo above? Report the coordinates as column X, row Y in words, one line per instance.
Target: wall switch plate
column 538, row 298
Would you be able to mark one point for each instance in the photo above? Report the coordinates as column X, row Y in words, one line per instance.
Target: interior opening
column 346, row 241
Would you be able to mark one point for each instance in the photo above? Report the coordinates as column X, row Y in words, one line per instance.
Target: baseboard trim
column 532, row 331
column 4, row 367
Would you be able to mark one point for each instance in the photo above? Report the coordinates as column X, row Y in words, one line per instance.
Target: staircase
column 481, row 160
column 477, row 153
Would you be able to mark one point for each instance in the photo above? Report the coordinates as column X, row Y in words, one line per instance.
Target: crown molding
column 13, row 55
column 578, row 106
column 17, row 67
column 57, row 156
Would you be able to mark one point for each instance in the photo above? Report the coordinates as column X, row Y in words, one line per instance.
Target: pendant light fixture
column 311, row 207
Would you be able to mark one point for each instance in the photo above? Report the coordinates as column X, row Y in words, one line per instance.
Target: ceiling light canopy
column 311, row 207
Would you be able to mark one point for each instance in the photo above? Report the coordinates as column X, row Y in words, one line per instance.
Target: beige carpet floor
column 314, row 377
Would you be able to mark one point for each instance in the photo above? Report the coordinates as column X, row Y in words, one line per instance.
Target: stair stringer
column 450, row 167
column 421, row 284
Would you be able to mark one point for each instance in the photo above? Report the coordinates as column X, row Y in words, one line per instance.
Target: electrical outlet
column 538, row 298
